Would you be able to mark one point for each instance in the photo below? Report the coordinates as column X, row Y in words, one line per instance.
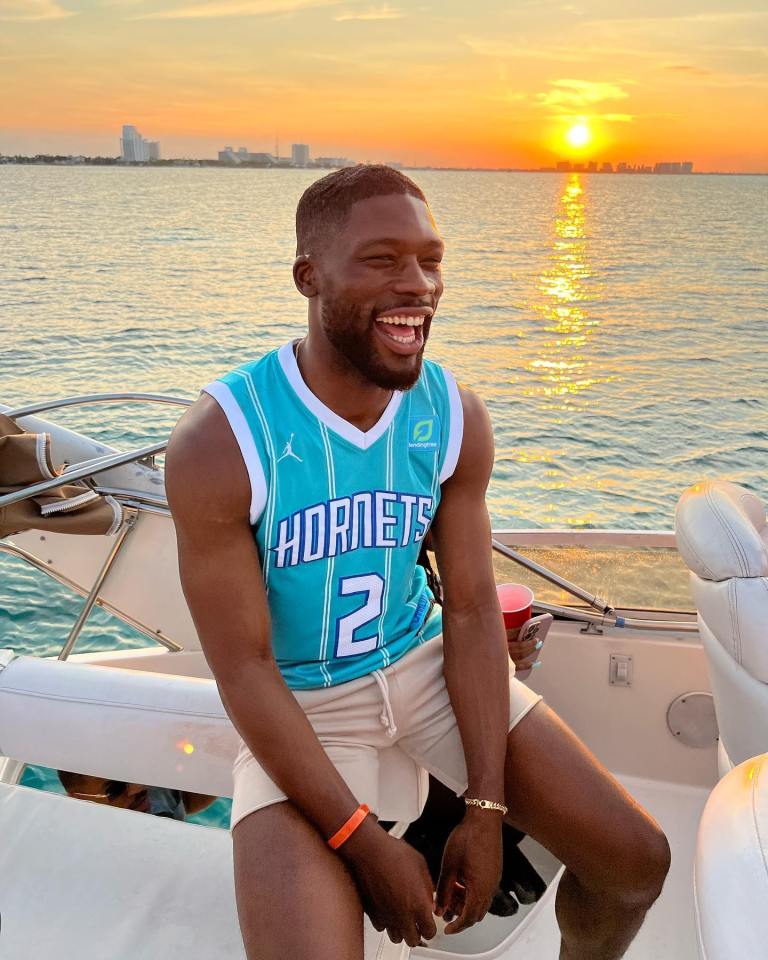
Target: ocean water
column 616, row 326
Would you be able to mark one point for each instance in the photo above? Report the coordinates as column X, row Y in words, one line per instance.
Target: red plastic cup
column 516, row 603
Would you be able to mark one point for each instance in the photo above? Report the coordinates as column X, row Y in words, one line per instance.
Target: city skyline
column 497, row 86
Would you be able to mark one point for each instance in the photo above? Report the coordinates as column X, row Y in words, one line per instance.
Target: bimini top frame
column 132, row 501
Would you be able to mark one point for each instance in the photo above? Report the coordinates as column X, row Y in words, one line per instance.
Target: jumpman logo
column 288, row 452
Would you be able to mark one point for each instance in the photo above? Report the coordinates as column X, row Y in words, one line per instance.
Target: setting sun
column 578, row 135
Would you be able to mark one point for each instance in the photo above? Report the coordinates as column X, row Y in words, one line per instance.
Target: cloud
column 605, row 117
column 27, row 10
column 580, row 93
column 496, row 47
column 687, row 68
column 233, row 8
column 374, row 13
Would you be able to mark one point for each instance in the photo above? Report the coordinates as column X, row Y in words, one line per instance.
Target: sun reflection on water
column 562, row 370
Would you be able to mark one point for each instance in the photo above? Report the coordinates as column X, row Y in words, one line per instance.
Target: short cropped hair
column 71, row 781
column 325, row 205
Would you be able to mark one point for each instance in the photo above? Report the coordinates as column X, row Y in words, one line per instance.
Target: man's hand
column 471, row 870
column 524, row 654
column 393, row 882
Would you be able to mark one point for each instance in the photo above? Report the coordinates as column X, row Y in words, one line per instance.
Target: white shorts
column 381, row 732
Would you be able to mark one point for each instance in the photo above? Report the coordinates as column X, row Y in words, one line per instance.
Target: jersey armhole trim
column 455, row 427
column 239, row 426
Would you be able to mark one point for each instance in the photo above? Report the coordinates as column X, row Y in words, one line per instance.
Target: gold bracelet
column 484, row 804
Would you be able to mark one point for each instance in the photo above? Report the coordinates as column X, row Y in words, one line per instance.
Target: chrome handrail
column 95, row 398
column 616, row 620
column 606, row 615
column 592, row 599
column 75, row 472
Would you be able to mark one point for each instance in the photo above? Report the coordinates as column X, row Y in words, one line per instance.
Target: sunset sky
column 483, row 83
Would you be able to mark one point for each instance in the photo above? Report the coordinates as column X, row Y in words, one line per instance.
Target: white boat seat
column 722, row 535
column 731, row 866
column 111, row 883
column 151, row 728
column 119, row 884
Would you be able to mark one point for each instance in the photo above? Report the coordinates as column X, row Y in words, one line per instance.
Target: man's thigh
column 560, row 794
column 432, row 738
column 295, row 898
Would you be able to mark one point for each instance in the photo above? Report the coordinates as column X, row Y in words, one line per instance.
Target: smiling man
column 302, row 485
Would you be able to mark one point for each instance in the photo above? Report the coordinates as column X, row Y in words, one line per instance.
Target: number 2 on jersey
column 372, row 586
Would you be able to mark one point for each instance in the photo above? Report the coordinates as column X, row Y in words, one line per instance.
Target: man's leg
column 616, row 856
column 295, row 898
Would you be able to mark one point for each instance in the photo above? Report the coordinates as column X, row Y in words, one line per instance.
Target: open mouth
column 403, row 327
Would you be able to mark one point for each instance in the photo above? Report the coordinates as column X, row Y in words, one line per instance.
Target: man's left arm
column 476, row 666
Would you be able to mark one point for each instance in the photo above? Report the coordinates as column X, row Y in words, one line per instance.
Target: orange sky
column 486, row 83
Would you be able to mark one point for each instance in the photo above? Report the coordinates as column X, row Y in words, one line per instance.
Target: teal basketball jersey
column 339, row 515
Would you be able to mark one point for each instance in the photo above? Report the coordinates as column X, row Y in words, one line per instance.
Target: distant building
column 135, row 149
column 243, row 155
column 592, row 166
column 131, row 144
column 606, row 167
column 564, row 166
column 333, row 162
column 685, row 167
column 299, row 154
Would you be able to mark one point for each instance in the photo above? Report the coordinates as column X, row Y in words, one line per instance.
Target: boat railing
column 135, row 502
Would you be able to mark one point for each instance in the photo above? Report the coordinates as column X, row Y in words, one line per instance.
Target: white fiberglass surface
column 669, row 931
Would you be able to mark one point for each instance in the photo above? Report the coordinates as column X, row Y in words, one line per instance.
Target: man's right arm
column 208, row 492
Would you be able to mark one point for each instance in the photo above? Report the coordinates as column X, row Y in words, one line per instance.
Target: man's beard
column 352, row 335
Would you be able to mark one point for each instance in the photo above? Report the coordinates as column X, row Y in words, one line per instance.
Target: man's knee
column 638, row 876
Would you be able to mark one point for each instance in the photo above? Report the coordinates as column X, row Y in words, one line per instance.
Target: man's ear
column 304, row 271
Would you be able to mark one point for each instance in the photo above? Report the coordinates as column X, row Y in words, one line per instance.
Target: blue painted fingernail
column 537, row 664
column 539, row 645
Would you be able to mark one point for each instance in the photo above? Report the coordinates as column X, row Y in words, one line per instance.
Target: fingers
column 445, row 890
column 426, row 923
column 410, row 934
column 519, row 651
column 472, row 912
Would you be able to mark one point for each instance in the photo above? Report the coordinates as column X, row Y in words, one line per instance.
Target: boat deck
column 669, row 932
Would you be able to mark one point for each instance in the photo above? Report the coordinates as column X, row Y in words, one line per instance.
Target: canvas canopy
column 25, row 459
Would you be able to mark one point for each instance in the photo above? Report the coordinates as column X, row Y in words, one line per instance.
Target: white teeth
column 404, row 339
column 403, row 321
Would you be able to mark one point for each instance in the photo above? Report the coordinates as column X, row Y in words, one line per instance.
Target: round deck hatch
column 691, row 719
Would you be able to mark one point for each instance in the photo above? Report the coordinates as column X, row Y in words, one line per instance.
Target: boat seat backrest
column 731, row 866
column 142, row 727
column 146, row 727
column 722, row 535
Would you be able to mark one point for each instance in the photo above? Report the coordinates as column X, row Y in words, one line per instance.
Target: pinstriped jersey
column 339, row 514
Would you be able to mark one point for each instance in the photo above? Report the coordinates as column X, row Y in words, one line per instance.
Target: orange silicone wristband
column 345, row 832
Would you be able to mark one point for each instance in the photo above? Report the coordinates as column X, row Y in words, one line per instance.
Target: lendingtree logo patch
column 424, row 433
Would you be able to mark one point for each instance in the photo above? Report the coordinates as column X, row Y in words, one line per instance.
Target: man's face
column 131, row 796
column 379, row 283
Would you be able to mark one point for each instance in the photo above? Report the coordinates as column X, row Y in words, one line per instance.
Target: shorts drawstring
column 386, row 717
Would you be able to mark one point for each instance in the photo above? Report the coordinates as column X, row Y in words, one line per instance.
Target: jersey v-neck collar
column 360, row 438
